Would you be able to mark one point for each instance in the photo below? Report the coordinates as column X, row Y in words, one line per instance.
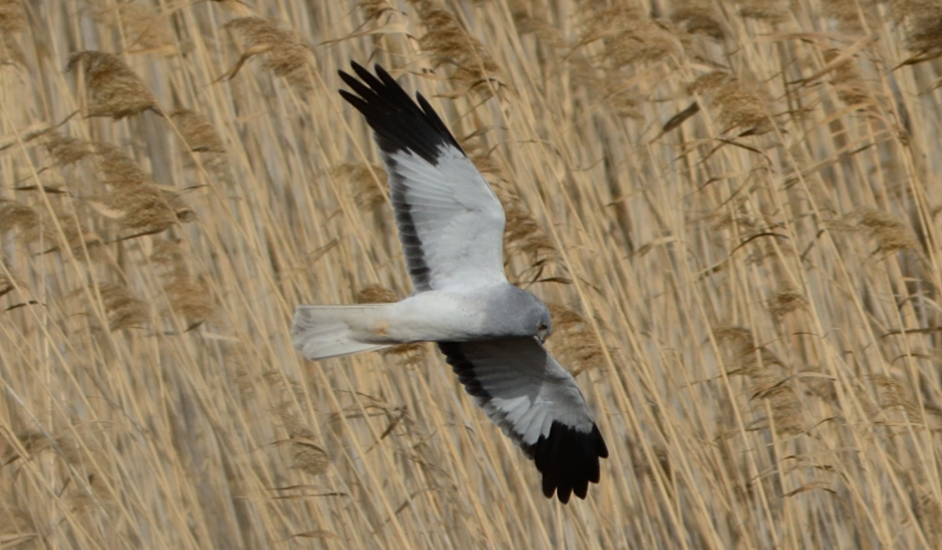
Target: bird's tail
column 320, row 332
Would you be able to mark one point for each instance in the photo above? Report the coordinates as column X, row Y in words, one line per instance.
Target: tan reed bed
column 734, row 209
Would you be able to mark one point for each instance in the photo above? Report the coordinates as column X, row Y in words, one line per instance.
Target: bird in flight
column 451, row 228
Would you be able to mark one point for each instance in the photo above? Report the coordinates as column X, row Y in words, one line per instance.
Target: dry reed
column 573, row 340
column 699, row 17
column 737, row 202
column 889, row 233
column 305, row 454
column 197, row 131
column 449, row 44
column 921, row 23
column 66, row 150
column 189, row 298
column 13, row 22
column 145, row 29
column 285, row 55
column 741, row 108
column 124, row 310
column 114, row 89
column 367, row 183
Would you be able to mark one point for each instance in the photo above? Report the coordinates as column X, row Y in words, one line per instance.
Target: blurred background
column 733, row 209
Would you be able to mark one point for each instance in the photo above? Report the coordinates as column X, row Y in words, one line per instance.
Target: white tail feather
column 320, row 332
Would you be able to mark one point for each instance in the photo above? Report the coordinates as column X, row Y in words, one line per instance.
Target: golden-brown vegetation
column 734, row 207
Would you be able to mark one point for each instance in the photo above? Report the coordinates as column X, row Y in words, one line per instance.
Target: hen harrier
column 451, row 228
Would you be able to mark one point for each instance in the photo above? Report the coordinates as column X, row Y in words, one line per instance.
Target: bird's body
column 451, row 229
column 428, row 316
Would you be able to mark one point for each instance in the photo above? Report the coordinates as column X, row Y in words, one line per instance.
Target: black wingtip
column 400, row 124
column 569, row 460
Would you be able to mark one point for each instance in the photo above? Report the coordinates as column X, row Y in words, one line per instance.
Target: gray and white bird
column 451, row 228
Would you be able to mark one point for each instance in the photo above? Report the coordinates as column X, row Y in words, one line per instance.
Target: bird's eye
column 542, row 326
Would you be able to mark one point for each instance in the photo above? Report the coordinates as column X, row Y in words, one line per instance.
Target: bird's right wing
column 451, row 224
column 537, row 404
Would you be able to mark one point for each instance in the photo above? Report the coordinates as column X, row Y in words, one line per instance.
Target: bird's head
column 544, row 325
column 538, row 322
column 520, row 314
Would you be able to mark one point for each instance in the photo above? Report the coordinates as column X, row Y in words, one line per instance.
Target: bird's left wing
column 451, row 224
column 537, row 404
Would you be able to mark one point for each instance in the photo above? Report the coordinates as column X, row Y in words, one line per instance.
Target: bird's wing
column 451, row 224
column 537, row 404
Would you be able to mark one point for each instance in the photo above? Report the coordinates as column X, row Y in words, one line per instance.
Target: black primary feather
column 399, row 123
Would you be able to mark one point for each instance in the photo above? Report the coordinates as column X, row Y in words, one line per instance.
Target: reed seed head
column 285, row 55
column 574, row 341
column 699, row 17
column 769, row 11
column 786, row 301
column 17, row 216
column 114, row 89
column 17, row 528
column 449, row 43
column 893, row 395
column 148, row 209
column 366, row 183
column 921, row 21
column 146, row 30
column 66, row 150
column 190, row 299
column 306, row 455
column 123, row 308
column 523, row 234
column 199, row 134
column 741, row 108
column 116, row 169
column 848, row 80
column 13, row 22
column 889, row 233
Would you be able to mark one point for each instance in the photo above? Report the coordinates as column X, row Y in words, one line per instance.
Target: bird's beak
column 542, row 334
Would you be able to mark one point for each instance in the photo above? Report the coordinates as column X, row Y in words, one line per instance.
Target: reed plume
column 285, row 55
column 306, row 455
column 13, row 22
column 114, row 89
column 197, row 131
column 449, row 44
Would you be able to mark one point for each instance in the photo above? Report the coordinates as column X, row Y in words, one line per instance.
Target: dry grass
column 114, row 90
column 737, row 202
